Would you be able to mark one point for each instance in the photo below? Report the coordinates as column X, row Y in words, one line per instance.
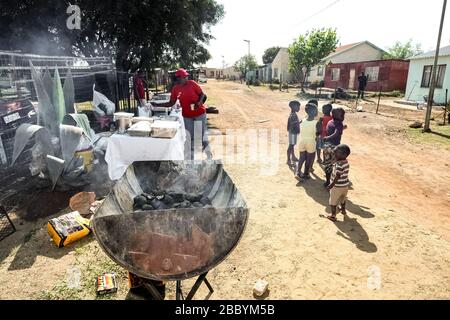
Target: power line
column 318, row 12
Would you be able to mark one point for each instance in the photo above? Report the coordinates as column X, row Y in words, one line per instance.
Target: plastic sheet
column 46, row 110
column 58, row 98
column 69, row 93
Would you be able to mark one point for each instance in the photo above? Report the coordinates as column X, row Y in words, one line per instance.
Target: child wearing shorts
column 293, row 128
column 339, row 181
column 307, row 142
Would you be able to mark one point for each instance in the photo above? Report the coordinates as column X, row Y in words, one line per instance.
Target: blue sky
column 277, row 23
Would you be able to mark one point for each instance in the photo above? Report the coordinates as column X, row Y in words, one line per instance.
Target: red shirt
column 325, row 121
column 139, row 88
column 188, row 94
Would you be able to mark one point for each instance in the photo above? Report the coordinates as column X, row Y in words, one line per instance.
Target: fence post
column 379, row 98
column 116, row 87
column 446, row 105
column 335, row 92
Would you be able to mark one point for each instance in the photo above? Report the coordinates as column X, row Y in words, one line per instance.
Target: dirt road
column 398, row 228
column 394, row 244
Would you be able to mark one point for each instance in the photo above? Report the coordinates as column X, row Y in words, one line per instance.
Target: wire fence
column 16, row 82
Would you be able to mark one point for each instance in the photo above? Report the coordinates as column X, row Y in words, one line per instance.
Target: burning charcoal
column 193, row 198
column 197, row 205
column 140, row 201
column 205, row 201
column 160, row 197
column 168, row 200
column 177, row 197
column 147, row 207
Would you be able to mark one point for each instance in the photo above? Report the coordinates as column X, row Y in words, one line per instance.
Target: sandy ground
column 394, row 244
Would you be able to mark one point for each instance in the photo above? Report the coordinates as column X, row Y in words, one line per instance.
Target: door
column 351, row 81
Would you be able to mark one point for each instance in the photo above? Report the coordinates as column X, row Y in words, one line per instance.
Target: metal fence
column 16, row 81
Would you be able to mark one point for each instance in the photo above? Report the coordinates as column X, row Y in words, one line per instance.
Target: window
column 427, row 73
column 335, row 74
column 372, row 73
column 320, row 71
column 275, row 72
column 441, row 76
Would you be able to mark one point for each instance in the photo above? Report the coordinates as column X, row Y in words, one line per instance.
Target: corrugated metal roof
column 445, row 51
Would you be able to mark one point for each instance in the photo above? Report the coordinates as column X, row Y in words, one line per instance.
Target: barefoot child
column 339, row 181
column 323, row 123
column 307, row 144
column 293, row 128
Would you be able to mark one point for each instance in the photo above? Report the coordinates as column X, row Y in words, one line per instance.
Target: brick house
column 389, row 75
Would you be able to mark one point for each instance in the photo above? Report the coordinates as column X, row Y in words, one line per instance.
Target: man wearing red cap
column 191, row 98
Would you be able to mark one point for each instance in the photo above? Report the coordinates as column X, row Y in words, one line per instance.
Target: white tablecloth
column 123, row 150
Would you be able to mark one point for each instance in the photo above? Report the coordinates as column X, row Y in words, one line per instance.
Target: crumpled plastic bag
column 99, row 99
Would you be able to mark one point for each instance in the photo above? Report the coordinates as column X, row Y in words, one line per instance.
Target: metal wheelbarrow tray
column 173, row 244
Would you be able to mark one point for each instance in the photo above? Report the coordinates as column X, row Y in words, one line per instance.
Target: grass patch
column 440, row 136
column 92, row 262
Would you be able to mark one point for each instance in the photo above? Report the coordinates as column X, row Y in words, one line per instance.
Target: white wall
column 362, row 52
column 414, row 91
column 281, row 62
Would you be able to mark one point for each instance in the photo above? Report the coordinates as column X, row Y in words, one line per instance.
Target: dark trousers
column 361, row 93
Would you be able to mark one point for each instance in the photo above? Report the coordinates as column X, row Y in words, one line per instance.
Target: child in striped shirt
column 339, row 181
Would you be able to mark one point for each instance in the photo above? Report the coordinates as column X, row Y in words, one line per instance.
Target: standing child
column 307, row 144
column 335, row 129
column 339, row 181
column 293, row 128
column 323, row 123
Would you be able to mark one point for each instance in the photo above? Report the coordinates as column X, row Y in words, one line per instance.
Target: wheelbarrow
column 173, row 244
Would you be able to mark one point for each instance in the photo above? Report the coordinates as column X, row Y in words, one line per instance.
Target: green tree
column 403, row 50
column 310, row 49
column 135, row 33
column 270, row 54
column 244, row 64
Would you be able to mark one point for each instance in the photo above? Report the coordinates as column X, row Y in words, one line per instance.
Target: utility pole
column 434, row 73
column 248, row 57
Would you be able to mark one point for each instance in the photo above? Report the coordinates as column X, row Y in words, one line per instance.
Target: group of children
column 316, row 137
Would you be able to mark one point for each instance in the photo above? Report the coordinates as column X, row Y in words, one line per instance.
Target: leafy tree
column 244, row 64
column 270, row 54
column 308, row 50
column 135, row 33
column 403, row 50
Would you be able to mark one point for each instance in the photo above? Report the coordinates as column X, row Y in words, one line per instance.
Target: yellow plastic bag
column 68, row 228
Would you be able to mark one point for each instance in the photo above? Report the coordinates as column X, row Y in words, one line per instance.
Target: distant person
column 293, row 128
column 307, row 144
column 339, row 181
column 362, row 80
column 323, row 123
column 139, row 88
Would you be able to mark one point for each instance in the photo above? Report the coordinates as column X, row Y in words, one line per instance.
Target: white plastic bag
column 100, row 98
column 145, row 112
